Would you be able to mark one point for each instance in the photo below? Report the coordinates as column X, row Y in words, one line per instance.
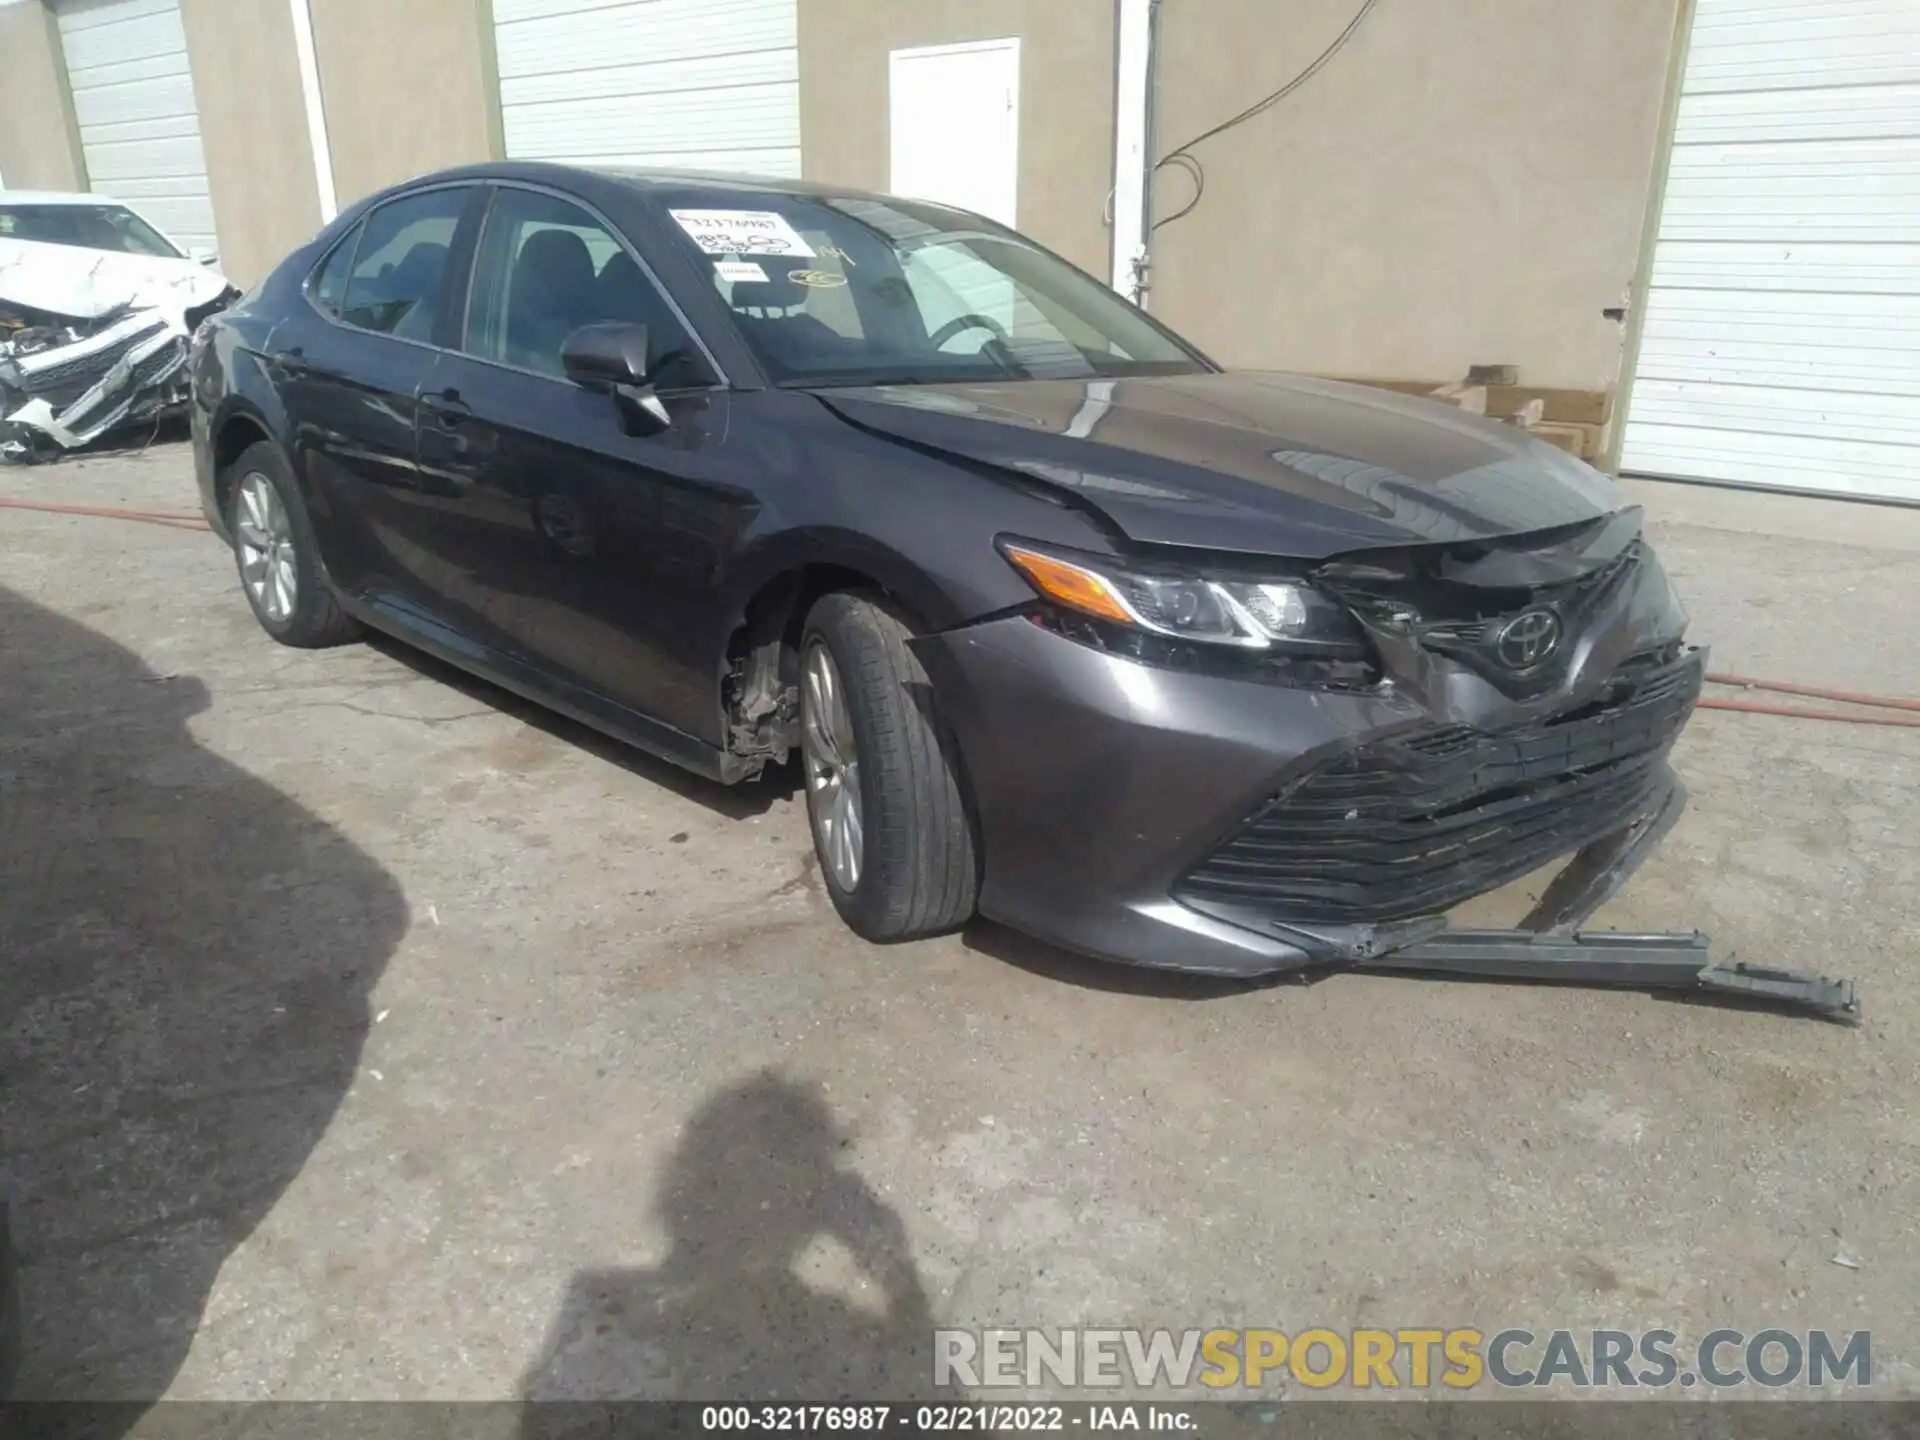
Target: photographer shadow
column 788, row 1278
column 185, row 967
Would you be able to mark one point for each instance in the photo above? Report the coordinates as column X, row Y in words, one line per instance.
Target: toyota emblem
column 1527, row 639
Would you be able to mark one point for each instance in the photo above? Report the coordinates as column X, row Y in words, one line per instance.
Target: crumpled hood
column 83, row 284
column 1257, row 463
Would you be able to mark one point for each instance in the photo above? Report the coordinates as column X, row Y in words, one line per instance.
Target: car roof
column 649, row 178
column 55, row 197
column 640, row 178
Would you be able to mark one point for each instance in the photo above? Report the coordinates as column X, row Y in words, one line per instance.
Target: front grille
column 60, row 378
column 1465, row 622
column 1474, row 639
column 1419, row 823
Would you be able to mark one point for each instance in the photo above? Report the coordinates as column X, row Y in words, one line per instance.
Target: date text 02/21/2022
column 974, row 1419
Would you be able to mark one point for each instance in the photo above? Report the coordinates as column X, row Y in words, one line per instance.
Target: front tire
column 279, row 563
column 896, row 843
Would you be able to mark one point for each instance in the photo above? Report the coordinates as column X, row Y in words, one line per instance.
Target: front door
column 588, row 552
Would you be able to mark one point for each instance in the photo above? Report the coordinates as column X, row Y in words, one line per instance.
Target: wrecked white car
column 96, row 311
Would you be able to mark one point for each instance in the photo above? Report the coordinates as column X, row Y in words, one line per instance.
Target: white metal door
column 701, row 84
column 1781, row 345
column 133, row 97
column 954, row 114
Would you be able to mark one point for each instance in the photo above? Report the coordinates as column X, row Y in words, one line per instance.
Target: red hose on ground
column 183, row 520
column 178, row 519
column 1848, row 697
column 1755, row 707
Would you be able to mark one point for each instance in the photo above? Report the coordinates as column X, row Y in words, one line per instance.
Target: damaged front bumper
column 71, row 393
column 84, row 352
column 1116, row 798
column 1241, row 828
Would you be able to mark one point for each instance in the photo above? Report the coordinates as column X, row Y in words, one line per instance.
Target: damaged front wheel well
column 759, row 684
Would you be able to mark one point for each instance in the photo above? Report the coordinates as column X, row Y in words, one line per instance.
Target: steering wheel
column 960, row 324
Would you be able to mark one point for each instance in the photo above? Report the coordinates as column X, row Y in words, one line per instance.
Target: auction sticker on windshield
column 742, row 232
column 740, row 272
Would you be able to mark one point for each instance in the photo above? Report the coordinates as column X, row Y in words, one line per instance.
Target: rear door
column 350, row 371
column 581, row 550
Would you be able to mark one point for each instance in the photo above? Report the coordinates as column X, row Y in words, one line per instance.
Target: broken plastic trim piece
column 1591, row 876
column 1547, row 947
column 1834, row 999
column 1658, row 962
column 1597, row 871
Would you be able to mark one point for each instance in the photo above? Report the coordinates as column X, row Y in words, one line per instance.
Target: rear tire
column 281, row 573
column 916, row 856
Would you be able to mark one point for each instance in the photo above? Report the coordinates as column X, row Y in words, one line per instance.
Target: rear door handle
column 447, row 405
column 285, row 364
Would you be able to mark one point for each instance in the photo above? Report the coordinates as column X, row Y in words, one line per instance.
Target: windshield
column 91, row 227
column 854, row 291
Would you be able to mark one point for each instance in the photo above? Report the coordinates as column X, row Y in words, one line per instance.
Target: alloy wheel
column 832, row 764
column 266, row 548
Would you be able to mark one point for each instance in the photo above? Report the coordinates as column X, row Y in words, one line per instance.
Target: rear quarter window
column 394, row 284
column 328, row 288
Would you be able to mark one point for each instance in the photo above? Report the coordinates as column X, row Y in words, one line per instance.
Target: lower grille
column 1419, row 823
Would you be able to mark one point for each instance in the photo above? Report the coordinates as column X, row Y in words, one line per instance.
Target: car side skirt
column 414, row 627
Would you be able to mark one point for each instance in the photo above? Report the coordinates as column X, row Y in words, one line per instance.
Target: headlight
column 1284, row 616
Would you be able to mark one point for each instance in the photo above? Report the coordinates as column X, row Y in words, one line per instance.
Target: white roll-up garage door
column 709, row 84
column 133, row 97
column 1782, row 338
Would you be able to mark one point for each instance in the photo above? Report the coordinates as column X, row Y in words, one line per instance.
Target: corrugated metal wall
column 1782, row 339
column 710, row 84
column 133, row 98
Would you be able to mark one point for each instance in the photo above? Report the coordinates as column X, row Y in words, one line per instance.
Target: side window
column 402, row 257
column 329, row 284
column 545, row 268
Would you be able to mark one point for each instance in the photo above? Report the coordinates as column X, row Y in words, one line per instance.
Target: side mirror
column 607, row 354
column 202, row 255
column 612, row 356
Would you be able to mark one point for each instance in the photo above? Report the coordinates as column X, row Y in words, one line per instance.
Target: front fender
column 937, row 601
column 922, row 527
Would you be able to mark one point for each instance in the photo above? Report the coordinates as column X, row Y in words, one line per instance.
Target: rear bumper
column 1105, row 787
column 203, row 472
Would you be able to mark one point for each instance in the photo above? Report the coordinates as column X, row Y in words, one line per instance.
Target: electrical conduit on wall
column 1132, row 106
